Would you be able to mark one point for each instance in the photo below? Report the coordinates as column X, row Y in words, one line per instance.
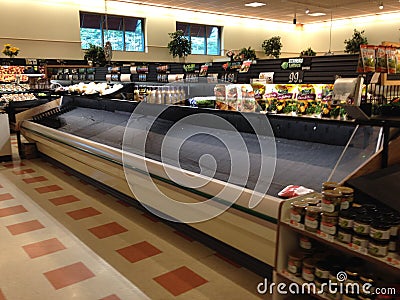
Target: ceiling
column 283, row 10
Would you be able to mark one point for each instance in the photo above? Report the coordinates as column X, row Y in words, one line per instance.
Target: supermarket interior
column 189, row 150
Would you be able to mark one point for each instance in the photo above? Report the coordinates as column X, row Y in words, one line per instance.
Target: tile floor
column 62, row 238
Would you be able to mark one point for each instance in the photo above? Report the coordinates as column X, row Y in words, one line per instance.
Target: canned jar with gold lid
column 322, row 269
column 380, row 230
column 328, row 224
column 360, row 240
column 344, row 235
column 331, row 201
column 297, row 211
column 308, row 269
column 312, row 201
column 295, row 261
column 312, row 218
column 346, row 218
column 305, row 243
column 378, row 248
column 368, row 289
column 329, row 185
column 347, row 197
column 362, row 224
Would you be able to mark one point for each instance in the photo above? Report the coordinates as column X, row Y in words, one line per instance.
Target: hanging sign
column 189, row 67
column 299, row 63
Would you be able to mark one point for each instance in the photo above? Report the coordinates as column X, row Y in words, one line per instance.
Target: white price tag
column 393, row 261
column 358, row 248
column 325, row 236
column 296, row 224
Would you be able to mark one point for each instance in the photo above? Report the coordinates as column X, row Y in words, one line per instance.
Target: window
column 206, row 39
column 124, row 33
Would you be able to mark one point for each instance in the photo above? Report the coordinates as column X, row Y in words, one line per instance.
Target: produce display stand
column 289, row 233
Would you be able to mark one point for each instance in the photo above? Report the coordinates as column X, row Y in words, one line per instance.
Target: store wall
column 378, row 28
column 50, row 29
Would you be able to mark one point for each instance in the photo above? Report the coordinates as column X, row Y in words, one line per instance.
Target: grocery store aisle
column 64, row 239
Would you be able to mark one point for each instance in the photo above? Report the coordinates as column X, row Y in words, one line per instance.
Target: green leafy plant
column 96, row 55
column 353, row 44
column 247, row 54
column 308, row 52
column 179, row 44
column 272, row 46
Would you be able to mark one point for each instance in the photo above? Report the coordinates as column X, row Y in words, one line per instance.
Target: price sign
column 296, row 225
column 296, row 77
column 325, row 236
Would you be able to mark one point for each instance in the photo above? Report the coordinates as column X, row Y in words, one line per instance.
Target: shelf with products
column 70, row 72
column 392, row 260
column 300, row 243
column 294, row 279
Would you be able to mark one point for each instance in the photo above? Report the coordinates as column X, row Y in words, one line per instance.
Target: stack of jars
column 315, row 264
column 370, row 227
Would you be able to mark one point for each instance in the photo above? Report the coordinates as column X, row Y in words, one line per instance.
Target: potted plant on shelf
column 247, row 54
column 179, row 45
column 308, row 52
column 353, row 44
column 95, row 55
column 272, row 47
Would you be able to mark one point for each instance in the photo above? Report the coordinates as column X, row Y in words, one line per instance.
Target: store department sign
column 299, row 63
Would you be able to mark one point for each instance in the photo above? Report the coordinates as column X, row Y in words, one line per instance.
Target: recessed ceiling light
column 255, row 4
column 317, row 14
column 307, row 11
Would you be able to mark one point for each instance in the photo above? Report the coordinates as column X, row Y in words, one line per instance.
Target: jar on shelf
column 352, row 275
column 380, row 230
column 305, row 243
column 312, row 201
column 344, row 235
column 322, row 270
column 308, row 269
column 329, row 185
column 367, row 281
column 395, row 225
column 362, row 224
column 334, row 270
column 346, row 219
column 311, row 220
column 331, row 201
column 360, row 240
column 378, row 248
column 295, row 261
column 393, row 245
column 328, row 223
column 320, row 284
column 347, row 197
column 297, row 211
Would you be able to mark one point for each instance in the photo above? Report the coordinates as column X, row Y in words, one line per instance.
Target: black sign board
column 299, row 63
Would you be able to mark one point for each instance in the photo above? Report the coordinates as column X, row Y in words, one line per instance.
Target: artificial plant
column 247, row 54
column 308, row 52
column 272, row 46
column 179, row 45
column 96, row 55
column 353, row 43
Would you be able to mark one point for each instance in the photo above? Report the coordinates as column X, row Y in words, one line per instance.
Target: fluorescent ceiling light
column 317, row 14
column 255, row 4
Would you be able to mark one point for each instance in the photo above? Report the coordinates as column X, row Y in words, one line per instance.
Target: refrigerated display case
column 96, row 137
